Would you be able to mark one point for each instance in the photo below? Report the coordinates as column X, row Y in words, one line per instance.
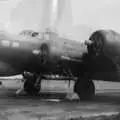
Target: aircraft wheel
column 30, row 86
column 85, row 89
column 0, row 82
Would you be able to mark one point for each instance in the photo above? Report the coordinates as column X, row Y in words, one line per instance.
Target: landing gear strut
column 84, row 88
column 32, row 84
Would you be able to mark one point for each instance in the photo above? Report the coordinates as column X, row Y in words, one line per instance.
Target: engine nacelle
column 105, row 41
column 104, row 51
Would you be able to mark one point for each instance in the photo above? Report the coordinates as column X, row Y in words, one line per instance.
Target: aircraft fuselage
column 18, row 54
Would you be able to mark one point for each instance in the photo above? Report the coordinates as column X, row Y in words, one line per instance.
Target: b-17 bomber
column 41, row 55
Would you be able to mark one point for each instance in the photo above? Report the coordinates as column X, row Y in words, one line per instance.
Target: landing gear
column 0, row 82
column 32, row 84
column 84, row 88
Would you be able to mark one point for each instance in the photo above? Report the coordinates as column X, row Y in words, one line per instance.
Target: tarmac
column 57, row 101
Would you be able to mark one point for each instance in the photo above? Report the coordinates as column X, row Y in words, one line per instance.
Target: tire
column 85, row 89
column 0, row 82
column 30, row 88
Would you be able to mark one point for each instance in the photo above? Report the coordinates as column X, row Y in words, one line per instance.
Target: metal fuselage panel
column 70, row 48
column 15, row 54
column 18, row 54
column 63, row 53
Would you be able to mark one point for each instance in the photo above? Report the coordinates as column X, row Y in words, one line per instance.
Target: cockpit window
column 34, row 34
column 29, row 33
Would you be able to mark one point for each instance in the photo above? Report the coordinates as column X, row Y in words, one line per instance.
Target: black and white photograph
column 59, row 59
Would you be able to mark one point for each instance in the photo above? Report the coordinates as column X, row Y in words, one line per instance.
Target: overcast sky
column 33, row 14
column 98, row 13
